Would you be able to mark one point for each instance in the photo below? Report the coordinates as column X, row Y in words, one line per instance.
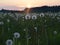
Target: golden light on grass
column 28, row 8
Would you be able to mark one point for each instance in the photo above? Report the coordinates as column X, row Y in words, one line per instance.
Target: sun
column 28, row 6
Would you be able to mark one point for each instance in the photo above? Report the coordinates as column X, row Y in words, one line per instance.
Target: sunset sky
column 21, row 4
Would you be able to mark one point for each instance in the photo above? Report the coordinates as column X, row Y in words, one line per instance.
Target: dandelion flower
column 34, row 17
column 27, row 17
column 42, row 15
column 55, row 32
column 9, row 42
column 16, row 35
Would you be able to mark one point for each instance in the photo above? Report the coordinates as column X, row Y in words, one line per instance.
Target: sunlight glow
column 28, row 6
column 16, row 4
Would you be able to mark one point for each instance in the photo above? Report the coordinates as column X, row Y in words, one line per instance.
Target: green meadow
column 44, row 30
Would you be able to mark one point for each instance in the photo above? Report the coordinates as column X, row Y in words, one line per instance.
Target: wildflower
column 55, row 32
column 35, row 28
column 24, row 29
column 9, row 42
column 27, row 17
column 42, row 15
column 16, row 35
column 8, row 20
column 34, row 17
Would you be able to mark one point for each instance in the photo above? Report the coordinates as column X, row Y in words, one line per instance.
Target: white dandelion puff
column 9, row 42
column 42, row 15
column 34, row 17
column 27, row 17
column 55, row 32
column 24, row 29
column 8, row 20
column 16, row 35
column 35, row 28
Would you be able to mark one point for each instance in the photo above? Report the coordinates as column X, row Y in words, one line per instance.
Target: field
column 41, row 29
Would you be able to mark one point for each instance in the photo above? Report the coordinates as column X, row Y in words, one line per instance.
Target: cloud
column 11, row 8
